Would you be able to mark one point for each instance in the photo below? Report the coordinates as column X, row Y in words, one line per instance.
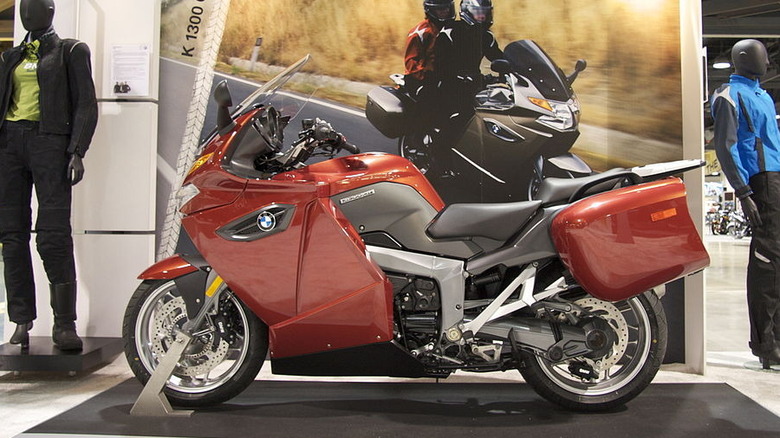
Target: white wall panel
column 118, row 190
column 106, row 23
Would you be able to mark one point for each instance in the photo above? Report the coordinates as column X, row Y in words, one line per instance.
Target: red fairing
column 621, row 243
column 346, row 173
column 312, row 283
column 263, row 272
column 344, row 299
column 217, row 188
column 167, row 269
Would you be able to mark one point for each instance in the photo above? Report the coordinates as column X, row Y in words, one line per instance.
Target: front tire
column 413, row 148
column 640, row 323
column 217, row 365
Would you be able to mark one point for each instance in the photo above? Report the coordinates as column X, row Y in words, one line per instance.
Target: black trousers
column 763, row 282
column 30, row 159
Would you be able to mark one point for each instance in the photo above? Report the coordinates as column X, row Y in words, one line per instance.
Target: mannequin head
column 750, row 58
column 37, row 15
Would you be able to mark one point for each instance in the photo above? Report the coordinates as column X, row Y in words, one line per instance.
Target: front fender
column 190, row 273
column 167, row 269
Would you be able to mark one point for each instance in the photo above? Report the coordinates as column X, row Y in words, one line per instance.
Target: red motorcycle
column 353, row 266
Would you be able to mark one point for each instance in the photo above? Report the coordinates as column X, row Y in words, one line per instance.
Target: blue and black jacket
column 747, row 140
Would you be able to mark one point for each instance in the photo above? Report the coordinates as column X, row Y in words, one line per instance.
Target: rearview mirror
column 224, row 101
column 222, row 94
column 578, row 67
column 501, row 66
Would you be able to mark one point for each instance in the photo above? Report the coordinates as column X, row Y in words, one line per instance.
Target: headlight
column 565, row 116
column 185, row 195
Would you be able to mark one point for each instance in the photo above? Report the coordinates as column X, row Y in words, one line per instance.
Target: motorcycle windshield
column 272, row 93
column 533, row 64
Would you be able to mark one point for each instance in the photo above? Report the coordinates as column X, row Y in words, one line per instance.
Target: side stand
column 152, row 401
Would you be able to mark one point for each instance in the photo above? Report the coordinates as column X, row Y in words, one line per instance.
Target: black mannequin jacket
column 67, row 93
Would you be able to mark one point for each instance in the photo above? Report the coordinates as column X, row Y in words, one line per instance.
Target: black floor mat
column 315, row 409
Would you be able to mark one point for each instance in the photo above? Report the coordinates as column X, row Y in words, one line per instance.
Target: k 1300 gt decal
column 361, row 195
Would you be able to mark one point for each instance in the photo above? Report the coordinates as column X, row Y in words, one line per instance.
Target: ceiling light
column 721, row 65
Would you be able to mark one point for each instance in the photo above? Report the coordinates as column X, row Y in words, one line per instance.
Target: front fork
column 215, row 286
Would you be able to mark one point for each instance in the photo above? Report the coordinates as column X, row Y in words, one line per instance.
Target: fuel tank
column 386, row 199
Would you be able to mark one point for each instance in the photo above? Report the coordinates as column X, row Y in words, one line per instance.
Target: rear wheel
column 222, row 359
column 622, row 373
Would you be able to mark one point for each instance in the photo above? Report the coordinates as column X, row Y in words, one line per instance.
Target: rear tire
column 216, row 366
column 634, row 366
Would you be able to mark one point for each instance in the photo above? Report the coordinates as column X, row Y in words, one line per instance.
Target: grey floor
column 31, row 398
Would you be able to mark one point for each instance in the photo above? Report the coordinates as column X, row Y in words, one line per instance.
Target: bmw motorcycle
column 353, row 266
column 525, row 123
column 738, row 225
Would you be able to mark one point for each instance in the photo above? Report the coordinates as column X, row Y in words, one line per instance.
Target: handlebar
column 316, row 134
column 324, row 133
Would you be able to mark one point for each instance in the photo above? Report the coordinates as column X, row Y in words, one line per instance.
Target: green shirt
column 24, row 103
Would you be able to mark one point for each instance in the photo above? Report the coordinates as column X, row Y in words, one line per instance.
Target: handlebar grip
column 349, row 147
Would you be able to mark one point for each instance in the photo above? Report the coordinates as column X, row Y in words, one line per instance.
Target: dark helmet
column 439, row 10
column 477, row 12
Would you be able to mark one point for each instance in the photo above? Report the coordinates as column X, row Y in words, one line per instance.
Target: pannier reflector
column 665, row 214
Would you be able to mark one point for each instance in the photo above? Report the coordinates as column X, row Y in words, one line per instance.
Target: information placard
column 130, row 70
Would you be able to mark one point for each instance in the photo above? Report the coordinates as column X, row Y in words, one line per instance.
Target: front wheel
column 223, row 358
column 413, row 148
column 623, row 372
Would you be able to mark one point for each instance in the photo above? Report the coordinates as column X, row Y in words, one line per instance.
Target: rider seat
column 493, row 221
column 554, row 191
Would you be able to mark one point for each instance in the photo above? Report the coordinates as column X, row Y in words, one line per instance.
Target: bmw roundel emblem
column 266, row 221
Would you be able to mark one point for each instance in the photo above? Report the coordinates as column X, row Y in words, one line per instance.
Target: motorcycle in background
column 525, row 124
column 738, row 225
column 729, row 222
column 719, row 222
column 353, row 266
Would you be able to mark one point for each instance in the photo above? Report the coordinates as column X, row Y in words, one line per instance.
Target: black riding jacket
column 67, row 93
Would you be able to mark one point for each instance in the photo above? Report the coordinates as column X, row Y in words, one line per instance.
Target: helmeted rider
column 422, row 81
column 460, row 47
column 419, row 55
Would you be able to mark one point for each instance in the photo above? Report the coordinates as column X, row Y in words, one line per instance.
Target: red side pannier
column 623, row 242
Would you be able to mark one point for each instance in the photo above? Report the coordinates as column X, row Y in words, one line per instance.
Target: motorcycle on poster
column 525, row 124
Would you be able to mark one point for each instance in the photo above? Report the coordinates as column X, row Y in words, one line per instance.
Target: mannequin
column 49, row 114
column 747, row 142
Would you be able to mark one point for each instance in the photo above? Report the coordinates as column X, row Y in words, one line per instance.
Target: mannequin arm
column 725, row 116
column 75, row 169
column 82, row 91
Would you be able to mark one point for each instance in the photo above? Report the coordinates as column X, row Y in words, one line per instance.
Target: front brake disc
column 201, row 357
